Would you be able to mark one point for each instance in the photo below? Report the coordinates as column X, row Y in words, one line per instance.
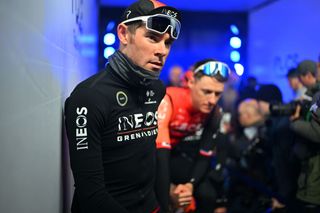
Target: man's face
column 294, row 82
column 147, row 49
column 308, row 80
column 249, row 113
column 205, row 93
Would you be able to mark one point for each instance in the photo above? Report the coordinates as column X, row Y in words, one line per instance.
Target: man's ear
column 123, row 33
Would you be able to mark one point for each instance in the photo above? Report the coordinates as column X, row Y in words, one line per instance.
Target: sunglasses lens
column 224, row 71
column 160, row 25
column 215, row 69
column 175, row 29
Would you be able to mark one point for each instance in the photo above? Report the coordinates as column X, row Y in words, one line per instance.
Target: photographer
column 307, row 71
column 248, row 161
column 279, row 145
column 308, row 127
column 282, row 139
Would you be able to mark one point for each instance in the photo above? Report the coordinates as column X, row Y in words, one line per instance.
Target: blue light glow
column 235, row 42
column 109, row 39
column 110, row 26
column 239, row 69
column 234, row 29
column 86, row 39
column 108, row 51
column 235, row 56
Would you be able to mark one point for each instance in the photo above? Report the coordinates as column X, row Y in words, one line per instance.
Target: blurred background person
column 284, row 163
column 262, row 168
column 247, row 88
column 175, row 75
column 248, row 161
column 307, row 126
column 230, row 94
column 307, row 71
column 297, row 87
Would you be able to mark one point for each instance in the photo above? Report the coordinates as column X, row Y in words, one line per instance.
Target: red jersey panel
column 177, row 118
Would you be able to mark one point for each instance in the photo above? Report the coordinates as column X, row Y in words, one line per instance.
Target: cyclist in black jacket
column 111, row 118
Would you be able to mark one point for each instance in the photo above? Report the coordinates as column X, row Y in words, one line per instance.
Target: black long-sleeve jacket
column 111, row 127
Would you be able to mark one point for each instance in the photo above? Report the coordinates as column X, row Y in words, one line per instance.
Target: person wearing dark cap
column 307, row 70
column 308, row 127
column 295, row 84
column 111, row 117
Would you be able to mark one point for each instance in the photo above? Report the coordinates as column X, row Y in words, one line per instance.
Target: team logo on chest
column 122, row 98
column 150, row 95
column 136, row 126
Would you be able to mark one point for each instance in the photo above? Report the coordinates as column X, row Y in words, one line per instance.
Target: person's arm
column 199, row 170
column 162, row 186
column 207, row 148
column 201, row 164
column 84, row 123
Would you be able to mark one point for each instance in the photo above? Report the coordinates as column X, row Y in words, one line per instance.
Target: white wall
column 41, row 60
column 281, row 35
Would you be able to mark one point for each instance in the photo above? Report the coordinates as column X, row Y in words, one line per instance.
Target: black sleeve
column 199, row 170
column 207, row 147
column 84, row 121
column 162, row 186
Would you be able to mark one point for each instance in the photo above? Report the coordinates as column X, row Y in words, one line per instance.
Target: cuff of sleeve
column 163, row 145
column 206, row 153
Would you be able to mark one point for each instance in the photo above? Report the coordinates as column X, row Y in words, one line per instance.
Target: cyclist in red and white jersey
column 183, row 112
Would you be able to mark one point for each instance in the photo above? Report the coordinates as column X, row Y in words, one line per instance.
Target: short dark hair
column 132, row 27
column 269, row 93
column 292, row 73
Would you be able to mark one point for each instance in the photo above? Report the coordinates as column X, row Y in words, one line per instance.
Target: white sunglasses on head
column 159, row 23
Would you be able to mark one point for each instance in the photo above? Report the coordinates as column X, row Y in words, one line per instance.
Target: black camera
column 290, row 108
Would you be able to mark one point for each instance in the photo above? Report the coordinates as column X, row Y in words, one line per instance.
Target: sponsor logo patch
column 81, row 130
column 150, row 94
column 122, row 98
column 128, row 13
